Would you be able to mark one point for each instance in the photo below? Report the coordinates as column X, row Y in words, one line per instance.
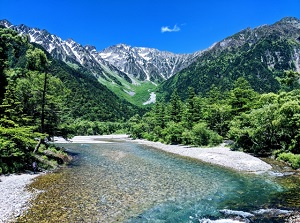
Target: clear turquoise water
column 127, row 182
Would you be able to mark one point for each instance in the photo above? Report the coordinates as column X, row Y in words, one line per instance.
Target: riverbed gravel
column 14, row 197
column 220, row 155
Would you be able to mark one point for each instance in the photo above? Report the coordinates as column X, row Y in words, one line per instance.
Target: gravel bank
column 219, row 155
column 14, row 199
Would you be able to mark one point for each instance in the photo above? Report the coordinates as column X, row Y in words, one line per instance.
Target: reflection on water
column 126, row 182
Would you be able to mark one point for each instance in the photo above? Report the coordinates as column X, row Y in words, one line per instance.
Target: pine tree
column 192, row 113
column 175, row 107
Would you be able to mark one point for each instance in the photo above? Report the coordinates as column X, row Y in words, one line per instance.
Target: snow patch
column 32, row 39
column 105, row 55
column 51, row 47
column 131, row 93
column 151, row 100
column 71, row 46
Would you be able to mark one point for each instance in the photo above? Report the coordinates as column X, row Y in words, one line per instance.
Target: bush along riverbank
column 46, row 157
column 260, row 124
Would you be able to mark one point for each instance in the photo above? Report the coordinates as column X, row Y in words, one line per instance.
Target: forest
column 262, row 124
column 41, row 97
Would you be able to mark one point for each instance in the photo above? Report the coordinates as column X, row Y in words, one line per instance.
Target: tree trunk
column 37, row 145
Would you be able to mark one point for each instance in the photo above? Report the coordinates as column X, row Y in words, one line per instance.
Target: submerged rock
column 237, row 213
column 271, row 212
column 294, row 217
column 220, row 221
column 241, row 216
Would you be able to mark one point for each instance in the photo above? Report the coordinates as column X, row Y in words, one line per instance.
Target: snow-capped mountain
column 68, row 50
column 146, row 63
column 121, row 60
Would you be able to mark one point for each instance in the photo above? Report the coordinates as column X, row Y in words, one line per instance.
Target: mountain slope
column 89, row 99
column 146, row 63
column 125, row 70
column 260, row 55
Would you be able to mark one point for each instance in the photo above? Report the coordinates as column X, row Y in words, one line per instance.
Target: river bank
column 15, row 197
column 218, row 155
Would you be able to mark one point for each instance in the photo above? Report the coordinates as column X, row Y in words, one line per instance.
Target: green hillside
column 136, row 92
column 260, row 56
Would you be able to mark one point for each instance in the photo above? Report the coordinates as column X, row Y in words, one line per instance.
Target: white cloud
column 167, row 29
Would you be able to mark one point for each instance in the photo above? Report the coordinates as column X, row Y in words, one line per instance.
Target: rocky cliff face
column 146, row 63
column 287, row 28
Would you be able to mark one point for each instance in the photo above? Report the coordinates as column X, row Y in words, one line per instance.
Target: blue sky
column 179, row 26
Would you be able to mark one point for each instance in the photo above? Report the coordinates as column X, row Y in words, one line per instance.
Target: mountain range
column 260, row 55
column 122, row 68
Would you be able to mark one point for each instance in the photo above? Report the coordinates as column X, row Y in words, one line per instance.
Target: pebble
column 219, row 155
column 14, row 197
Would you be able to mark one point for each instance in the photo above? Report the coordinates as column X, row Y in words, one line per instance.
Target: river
column 128, row 182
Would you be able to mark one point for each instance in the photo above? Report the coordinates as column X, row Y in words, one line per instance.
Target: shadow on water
column 126, row 182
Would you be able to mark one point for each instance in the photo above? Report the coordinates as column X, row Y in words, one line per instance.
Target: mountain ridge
column 148, row 63
column 137, row 65
column 125, row 69
column 261, row 55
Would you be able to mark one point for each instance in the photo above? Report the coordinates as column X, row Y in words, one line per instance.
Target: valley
column 243, row 91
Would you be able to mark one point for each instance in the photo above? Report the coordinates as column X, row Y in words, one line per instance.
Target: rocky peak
column 287, row 27
column 5, row 23
column 289, row 20
column 90, row 48
column 146, row 63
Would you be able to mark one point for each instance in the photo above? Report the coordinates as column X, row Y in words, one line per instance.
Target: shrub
column 293, row 159
column 203, row 136
column 4, row 168
column 173, row 133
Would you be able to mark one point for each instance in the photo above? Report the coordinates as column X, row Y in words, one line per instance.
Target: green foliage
column 291, row 158
column 89, row 99
column 85, row 127
column 30, row 103
column 16, row 145
column 203, row 136
column 242, row 96
column 180, row 123
column 290, row 80
column 36, row 60
column 193, row 108
column 175, row 110
column 173, row 133
column 273, row 125
column 218, row 117
column 257, row 123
